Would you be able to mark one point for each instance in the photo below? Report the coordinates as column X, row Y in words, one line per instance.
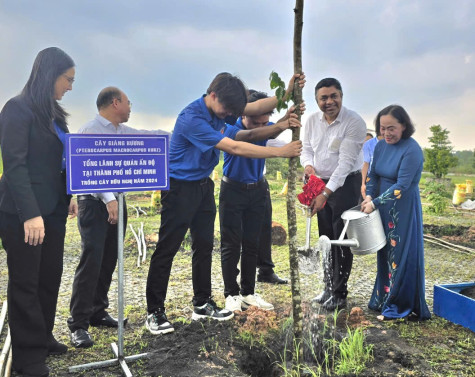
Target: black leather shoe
column 37, row 370
column 57, row 348
column 81, row 339
column 272, row 279
column 333, row 303
column 322, row 297
column 107, row 321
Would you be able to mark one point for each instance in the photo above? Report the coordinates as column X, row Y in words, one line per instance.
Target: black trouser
column 331, row 225
column 187, row 205
column 34, row 277
column 99, row 242
column 264, row 255
column 241, row 215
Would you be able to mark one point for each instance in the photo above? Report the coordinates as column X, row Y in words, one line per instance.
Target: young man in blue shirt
column 242, row 207
column 195, row 145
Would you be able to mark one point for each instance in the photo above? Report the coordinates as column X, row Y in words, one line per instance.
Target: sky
column 163, row 54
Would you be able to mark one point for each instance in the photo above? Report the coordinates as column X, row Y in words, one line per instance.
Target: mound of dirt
column 240, row 347
column 460, row 235
column 251, row 345
column 445, row 230
column 279, row 235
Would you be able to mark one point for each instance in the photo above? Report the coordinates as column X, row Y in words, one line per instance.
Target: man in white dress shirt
column 97, row 223
column 332, row 142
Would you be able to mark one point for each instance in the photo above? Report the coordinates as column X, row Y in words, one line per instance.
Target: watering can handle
column 343, row 232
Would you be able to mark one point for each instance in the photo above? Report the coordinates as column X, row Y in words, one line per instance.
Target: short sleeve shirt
column 193, row 155
column 242, row 169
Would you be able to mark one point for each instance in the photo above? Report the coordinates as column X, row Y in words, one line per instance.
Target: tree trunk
column 291, row 194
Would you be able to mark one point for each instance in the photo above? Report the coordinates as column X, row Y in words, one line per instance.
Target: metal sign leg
column 117, row 349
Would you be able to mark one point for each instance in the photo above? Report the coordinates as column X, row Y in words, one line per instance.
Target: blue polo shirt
column 193, row 155
column 242, row 169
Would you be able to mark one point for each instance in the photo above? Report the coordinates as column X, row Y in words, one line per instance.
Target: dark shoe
column 57, row 348
column 211, row 310
column 81, row 339
column 107, row 321
column 37, row 370
column 157, row 323
column 272, row 279
column 333, row 303
column 322, row 297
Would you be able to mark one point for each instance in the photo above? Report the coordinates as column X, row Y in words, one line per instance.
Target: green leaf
column 277, row 83
column 280, row 93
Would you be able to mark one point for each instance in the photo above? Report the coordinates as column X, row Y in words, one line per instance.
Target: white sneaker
column 255, row 300
column 233, row 303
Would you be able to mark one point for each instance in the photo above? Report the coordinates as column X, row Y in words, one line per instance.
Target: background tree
column 465, row 162
column 439, row 157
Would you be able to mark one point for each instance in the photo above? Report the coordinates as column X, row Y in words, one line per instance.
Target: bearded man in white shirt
column 332, row 142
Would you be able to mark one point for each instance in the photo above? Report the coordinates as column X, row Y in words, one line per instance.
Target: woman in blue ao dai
column 393, row 187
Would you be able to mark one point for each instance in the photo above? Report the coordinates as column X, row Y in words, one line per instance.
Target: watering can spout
column 325, row 243
column 352, row 242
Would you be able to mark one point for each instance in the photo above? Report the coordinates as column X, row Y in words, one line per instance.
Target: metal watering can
column 365, row 232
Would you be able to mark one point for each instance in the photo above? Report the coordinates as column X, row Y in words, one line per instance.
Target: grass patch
column 354, row 354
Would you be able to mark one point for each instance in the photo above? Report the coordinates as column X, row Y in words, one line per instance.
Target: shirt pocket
column 334, row 144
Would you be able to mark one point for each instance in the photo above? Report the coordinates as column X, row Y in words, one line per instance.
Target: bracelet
column 325, row 194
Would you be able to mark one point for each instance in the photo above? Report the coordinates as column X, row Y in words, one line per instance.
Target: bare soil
column 219, row 349
column 469, row 292
column 461, row 235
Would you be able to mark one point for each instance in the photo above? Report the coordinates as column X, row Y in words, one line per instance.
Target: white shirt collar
column 337, row 119
column 107, row 123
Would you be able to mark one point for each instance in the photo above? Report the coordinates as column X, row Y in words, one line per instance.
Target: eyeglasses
column 120, row 100
column 70, row 79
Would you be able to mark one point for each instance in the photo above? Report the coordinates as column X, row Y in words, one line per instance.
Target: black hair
column 400, row 115
column 328, row 82
column 255, row 95
column 49, row 65
column 230, row 91
column 107, row 95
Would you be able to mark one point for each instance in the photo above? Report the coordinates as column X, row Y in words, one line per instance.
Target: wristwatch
column 325, row 194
